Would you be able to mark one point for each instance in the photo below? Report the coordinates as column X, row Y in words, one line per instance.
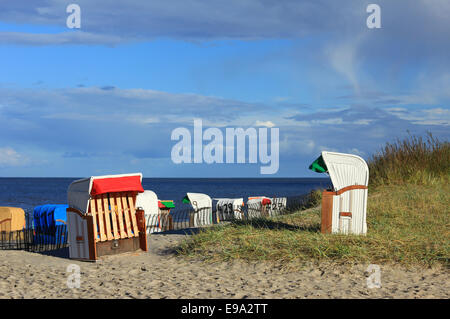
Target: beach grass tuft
column 415, row 160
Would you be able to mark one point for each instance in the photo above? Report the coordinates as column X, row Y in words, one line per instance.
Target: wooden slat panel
column 107, row 214
column 94, row 219
column 114, row 218
column 126, row 213
column 120, row 216
column 133, row 214
column 101, row 227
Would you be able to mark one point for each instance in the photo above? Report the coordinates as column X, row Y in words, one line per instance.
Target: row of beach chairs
column 113, row 214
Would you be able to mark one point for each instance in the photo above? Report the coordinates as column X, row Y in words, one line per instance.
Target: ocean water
column 30, row 192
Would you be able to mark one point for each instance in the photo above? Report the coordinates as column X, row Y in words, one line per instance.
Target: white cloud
column 330, row 121
column 362, row 122
column 343, row 58
column 433, row 116
column 63, row 38
column 356, row 152
column 262, row 123
column 9, row 157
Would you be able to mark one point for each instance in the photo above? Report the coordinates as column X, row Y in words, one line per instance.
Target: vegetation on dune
column 408, row 218
column 412, row 160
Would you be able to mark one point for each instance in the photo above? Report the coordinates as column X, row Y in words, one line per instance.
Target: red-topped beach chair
column 103, row 218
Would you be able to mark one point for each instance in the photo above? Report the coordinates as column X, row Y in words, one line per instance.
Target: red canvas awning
column 266, row 201
column 117, row 184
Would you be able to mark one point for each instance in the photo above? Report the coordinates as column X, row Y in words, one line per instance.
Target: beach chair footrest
column 117, row 246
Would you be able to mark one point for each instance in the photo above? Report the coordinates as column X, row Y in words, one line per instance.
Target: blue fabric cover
column 46, row 217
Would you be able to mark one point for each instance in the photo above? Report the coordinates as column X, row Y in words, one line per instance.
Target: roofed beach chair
column 148, row 201
column 49, row 224
column 344, row 207
column 165, row 217
column 12, row 221
column 229, row 208
column 277, row 205
column 103, row 218
column 202, row 205
column 157, row 212
column 258, row 206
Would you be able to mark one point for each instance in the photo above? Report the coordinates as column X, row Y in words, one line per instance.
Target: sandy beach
column 161, row 274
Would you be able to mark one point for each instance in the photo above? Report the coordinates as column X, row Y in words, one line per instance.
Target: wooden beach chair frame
column 114, row 225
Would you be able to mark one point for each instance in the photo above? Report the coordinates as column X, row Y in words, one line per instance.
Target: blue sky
column 105, row 98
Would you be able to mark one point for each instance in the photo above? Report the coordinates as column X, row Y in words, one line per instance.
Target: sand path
column 160, row 274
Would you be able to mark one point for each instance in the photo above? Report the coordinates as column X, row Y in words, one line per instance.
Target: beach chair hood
column 344, row 169
column 198, row 200
column 258, row 200
column 148, row 201
column 236, row 202
column 80, row 191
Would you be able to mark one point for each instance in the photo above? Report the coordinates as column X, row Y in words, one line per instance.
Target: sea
column 30, row 192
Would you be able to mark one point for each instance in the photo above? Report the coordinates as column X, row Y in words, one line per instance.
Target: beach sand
column 161, row 274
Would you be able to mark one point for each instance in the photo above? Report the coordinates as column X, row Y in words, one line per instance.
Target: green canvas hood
column 318, row 165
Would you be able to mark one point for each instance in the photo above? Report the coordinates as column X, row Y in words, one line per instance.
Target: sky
column 105, row 98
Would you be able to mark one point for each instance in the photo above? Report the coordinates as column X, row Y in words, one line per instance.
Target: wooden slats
column 94, row 219
column 114, row 217
column 107, row 215
column 111, row 212
column 101, row 227
column 133, row 215
column 117, row 203
column 126, row 213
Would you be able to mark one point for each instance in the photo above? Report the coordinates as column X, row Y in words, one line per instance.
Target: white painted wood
column 202, row 205
column 229, row 208
column 347, row 170
column 148, row 201
column 77, row 227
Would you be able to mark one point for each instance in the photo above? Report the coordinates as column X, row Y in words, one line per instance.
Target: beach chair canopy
column 49, row 215
column 259, row 199
column 344, row 169
column 148, row 201
column 80, row 191
column 166, row 204
column 198, row 200
column 11, row 219
column 235, row 202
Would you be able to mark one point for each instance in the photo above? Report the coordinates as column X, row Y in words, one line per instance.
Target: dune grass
column 413, row 160
column 408, row 220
